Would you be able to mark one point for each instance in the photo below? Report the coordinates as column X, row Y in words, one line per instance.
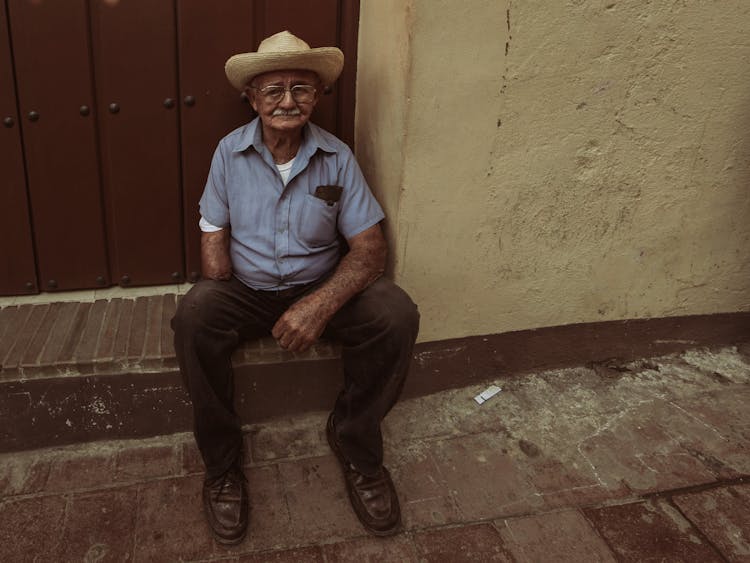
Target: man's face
column 285, row 114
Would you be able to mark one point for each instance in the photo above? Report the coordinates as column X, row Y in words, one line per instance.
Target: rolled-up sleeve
column 214, row 205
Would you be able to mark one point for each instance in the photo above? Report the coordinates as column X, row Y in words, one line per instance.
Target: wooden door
column 51, row 51
column 17, row 270
column 135, row 54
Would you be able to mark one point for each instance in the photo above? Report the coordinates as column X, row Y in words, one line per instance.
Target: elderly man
column 281, row 197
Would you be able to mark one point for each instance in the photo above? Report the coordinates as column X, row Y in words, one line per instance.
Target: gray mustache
column 279, row 111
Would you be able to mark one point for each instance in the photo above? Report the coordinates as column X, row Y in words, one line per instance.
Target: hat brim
column 326, row 62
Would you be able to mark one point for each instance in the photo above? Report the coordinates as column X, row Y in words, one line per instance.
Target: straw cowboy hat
column 284, row 51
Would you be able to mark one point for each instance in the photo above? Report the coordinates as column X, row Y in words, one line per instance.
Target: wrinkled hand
column 300, row 326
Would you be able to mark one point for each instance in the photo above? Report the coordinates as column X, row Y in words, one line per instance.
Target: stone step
column 80, row 371
column 74, row 372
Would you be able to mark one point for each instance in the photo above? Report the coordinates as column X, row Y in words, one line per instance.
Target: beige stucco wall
column 546, row 163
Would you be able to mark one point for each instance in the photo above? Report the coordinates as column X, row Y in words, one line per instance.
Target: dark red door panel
column 53, row 74
column 136, row 85
column 209, row 33
column 17, row 273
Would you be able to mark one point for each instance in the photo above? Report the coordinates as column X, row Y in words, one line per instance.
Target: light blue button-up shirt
column 283, row 236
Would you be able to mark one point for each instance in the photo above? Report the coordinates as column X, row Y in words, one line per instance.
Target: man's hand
column 303, row 323
column 215, row 261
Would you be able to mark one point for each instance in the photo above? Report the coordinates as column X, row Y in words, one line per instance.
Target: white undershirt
column 284, row 169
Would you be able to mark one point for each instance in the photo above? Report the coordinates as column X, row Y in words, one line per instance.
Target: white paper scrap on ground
column 488, row 393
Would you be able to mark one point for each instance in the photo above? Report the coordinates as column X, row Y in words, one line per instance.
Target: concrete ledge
column 59, row 387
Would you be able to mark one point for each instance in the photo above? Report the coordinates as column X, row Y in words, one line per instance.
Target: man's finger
column 279, row 329
column 297, row 345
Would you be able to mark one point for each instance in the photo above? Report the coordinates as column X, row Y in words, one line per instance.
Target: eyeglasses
column 301, row 93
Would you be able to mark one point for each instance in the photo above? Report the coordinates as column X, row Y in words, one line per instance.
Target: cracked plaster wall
column 546, row 163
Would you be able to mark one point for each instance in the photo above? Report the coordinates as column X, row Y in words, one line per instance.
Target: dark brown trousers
column 377, row 329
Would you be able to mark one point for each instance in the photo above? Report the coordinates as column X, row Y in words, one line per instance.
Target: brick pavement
column 643, row 461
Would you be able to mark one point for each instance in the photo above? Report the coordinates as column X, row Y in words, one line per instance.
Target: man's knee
column 394, row 309
column 196, row 306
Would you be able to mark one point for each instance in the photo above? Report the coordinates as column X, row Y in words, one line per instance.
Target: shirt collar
column 312, row 139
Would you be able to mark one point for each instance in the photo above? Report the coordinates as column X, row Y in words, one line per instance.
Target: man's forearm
column 356, row 271
column 215, row 261
column 303, row 323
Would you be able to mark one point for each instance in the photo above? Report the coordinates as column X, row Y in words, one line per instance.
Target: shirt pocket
column 318, row 221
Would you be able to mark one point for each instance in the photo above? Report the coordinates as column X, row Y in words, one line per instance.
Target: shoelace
column 223, row 492
column 370, row 484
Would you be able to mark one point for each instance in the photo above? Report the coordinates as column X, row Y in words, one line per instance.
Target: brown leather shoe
column 226, row 504
column 373, row 498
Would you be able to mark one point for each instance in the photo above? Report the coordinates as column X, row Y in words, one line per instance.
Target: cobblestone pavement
column 643, row 461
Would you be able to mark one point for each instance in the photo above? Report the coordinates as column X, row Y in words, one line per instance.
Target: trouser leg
column 377, row 328
column 210, row 322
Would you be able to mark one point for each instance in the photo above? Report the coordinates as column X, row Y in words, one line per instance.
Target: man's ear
column 251, row 97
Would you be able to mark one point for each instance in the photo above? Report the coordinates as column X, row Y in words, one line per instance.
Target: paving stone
column 192, row 462
column 80, row 471
column 650, row 531
column 88, row 344
column 11, row 321
column 23, row 473
column 541, row 437
column 482, row 478
column 248, row 353
column 578, row 392
column 633, row 449
column 307, row 555
column 145, row 462
column 299, row 436
column 39, row 340
column 100, row 526
column 137, row 333
column 66, row 355
column 107, row 333
column 722, row 452
column 26, row 334
column 550, row 458
column 122, row 332
column 563, row 537
column 724, row 409
column 371, row 550
column 152, row 346
column 318, row 504
column 31, row 529
column 469, row 544
column 677, row 379
column 723, row 515
column 170, row 525
column 725, row 362
column 403, row 425
column 459, row 414
column 423, row 494
column 523, row 401
column 567, row 482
